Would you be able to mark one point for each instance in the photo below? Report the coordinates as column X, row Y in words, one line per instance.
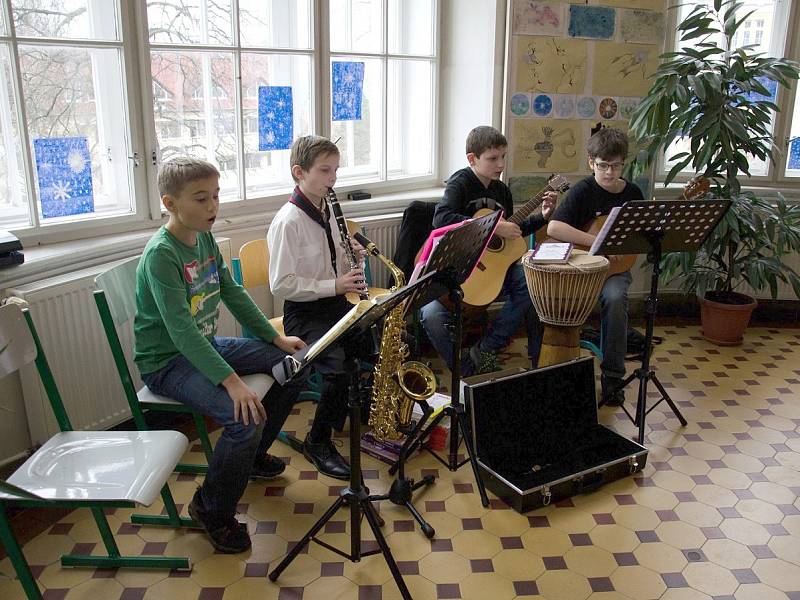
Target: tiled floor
column 715, row 514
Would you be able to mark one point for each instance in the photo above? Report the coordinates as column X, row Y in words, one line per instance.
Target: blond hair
column 177, row 172
column 306, row 149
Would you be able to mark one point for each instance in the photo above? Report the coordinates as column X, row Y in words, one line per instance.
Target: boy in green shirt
column 179, row 283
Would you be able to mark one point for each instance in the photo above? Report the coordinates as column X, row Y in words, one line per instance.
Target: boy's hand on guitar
column 289, row 343
column 549, row 204
column 351, row 282
column 508, row 230
column 246, row 403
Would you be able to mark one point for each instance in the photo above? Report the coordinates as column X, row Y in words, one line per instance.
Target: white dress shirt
column 299, row 258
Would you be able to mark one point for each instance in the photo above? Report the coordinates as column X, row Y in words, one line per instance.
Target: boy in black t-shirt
column 593, row 197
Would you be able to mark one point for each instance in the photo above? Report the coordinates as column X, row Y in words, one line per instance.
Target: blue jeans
column 239, row 444
column 614, row 323
column 438, row 321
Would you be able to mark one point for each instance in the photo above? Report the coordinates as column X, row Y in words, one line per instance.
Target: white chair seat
column 101, row 465
column 259, row 383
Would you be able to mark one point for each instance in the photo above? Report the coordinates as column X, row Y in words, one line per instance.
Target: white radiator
column 383, row 232
column 74, row 342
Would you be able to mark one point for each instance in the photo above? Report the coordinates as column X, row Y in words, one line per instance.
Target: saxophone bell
column 416, row 380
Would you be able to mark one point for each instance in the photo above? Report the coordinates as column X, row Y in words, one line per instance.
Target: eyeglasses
column 604, row 166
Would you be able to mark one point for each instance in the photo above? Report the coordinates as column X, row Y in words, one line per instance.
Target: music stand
column 653, row 227
column 454, row 258
column 356, row 495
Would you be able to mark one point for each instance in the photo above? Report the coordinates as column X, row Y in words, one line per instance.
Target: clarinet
column 344, row 235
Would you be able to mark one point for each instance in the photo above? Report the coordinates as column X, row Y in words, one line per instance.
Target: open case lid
column 532, row 417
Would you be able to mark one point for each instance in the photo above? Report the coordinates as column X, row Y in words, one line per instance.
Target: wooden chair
column 116, row 303
column 81, row 469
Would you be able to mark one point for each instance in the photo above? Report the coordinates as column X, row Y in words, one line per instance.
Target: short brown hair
column 306, row 149
column 484, row 137
column 608, row 143
column 174, row 174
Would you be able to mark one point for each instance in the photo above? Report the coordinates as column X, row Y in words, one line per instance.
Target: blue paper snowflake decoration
column 275, row 118
column 64, row 172
column 348, row 84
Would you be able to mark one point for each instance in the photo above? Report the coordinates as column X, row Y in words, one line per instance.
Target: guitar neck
column 531, row 205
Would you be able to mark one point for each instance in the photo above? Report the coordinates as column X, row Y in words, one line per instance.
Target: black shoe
column 326, row 459
column 612, row 393
column 267, row 467
column 228, row 536
column 485, row 361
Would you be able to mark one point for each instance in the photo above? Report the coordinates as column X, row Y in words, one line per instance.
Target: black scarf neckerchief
column 304, row 204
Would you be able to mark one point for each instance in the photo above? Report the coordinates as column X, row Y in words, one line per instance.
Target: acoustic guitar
column 484, row 285
column 694, row 188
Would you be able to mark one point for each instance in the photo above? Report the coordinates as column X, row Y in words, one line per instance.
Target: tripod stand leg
column 415, row 445
column 298, row 547
column 387, row 554
column 668, row 400
column 459, row 417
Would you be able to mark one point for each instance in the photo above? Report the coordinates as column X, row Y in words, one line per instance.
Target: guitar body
column 484, row 285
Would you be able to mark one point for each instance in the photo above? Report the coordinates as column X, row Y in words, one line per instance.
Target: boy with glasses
column 588, row 199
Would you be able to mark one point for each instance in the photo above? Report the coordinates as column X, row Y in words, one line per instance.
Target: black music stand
column 356, row 495
column 453, row 259
column 653, row 227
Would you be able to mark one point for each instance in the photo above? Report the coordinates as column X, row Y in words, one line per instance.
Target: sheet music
column 601, row 235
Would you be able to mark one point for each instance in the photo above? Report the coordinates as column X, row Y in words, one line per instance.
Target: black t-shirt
column 587, row 200
column 465, row 194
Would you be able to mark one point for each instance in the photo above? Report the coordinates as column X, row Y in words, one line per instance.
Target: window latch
column 135, row 159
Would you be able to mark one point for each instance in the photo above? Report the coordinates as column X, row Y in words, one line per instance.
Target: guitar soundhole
column 496, row 243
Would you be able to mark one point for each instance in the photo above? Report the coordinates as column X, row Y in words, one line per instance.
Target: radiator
column 74, row 342
column 383, row 232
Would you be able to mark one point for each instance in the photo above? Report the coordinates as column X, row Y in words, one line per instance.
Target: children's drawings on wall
column 659, row 5
column 564, row 106
column 539, row 18
column 348, row 83
column 595, row 22
column 275, row 118
column 546, row 145
column 608, row 108
column 526, row 187
column 546, row 64
column 542, row 105
column 64, row 173
column 623, row 69
column 586, row 107
column 794, row 154
column 641, row 26
column 627, row 106
column 520, row 104
column 772, row 87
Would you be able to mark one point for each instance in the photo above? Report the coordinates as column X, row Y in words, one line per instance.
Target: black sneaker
column 612, row 393
column 485, row 361
column 326, row 458
column 267, row 467
column 228, row 536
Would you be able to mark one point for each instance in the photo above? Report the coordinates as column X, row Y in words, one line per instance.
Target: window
column 67, row 158
column 229, row 81
column 765, row 30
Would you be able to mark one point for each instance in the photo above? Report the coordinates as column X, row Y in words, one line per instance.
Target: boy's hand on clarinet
column 549, row 204
column 351, row 282
column 359, row 250
column 508, row 230
column 246, row 403
column 289, row 343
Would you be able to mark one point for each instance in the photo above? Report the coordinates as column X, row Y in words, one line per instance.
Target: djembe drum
column 563, row 296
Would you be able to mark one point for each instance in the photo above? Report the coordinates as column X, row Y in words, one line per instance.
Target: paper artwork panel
column 641, row 26
column 539, row 18
column 586, row 107
column 595, row 22
column 794, row 154
column 348, row 84
column 564, row 106
column 608, row 108
column 550, row 65
column 627, row 106
column 624, row 69
column 520, row 104
column 641, row 4
column 64, row 172
column 771, row 85
column 546, row 145
column 275, row 118
column 525, row 187
column 542, row 105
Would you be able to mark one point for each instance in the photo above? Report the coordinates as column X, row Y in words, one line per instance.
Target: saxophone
column 398, row 383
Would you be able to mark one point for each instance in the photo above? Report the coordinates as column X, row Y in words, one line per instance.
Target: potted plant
column 715, row 97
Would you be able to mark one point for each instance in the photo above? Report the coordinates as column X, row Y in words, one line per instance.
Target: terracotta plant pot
column 725, row 317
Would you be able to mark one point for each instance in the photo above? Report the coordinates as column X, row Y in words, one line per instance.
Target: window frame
column 135, row 48
column 775, row 178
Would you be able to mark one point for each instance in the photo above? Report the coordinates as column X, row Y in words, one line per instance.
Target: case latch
column 547, row 496
column 633, row 465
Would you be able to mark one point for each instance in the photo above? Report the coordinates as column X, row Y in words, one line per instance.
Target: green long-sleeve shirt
column 178, row 289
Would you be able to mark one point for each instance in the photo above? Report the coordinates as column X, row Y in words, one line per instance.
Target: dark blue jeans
column 239, row 444
column 614, row 323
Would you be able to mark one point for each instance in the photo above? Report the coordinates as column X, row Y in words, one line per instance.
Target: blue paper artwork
column 520, row 104
column 794, row 154
column 771, row 85
column 587, row 107
column 64, row 171
column 542, row 105
column 348, row 83
column 596, row 22
column 275, row 117
column 564, row 106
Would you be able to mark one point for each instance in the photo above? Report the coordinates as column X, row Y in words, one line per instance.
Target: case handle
column 588, row 483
